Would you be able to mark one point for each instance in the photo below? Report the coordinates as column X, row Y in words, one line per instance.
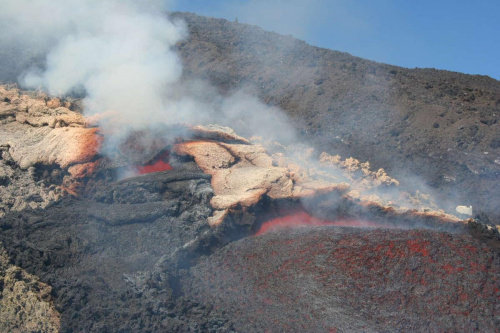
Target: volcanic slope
column 440, row 126
column 141, row 254
column 185, row 250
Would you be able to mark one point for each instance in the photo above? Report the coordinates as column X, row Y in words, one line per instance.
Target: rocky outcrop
column 40, row 138
column 37, row 109
column 357, row 171
column 26, row 304
column 243, row 173
column 61, row 146
column 37, row 130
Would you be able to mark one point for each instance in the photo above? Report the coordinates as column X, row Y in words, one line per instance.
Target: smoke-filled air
column 121, row 56
column 162, row 171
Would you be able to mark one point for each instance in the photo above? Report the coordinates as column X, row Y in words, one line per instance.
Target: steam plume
column 121, row 55
column 119, row 52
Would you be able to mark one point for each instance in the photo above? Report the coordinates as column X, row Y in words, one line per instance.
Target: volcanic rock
column 353, row 280
column 26, row 303
column 209, row 156
column 184, row 249
column 33, row 136
column 106, row 254
column 21, row 189
column 41, row 136
column 218, row 133
column 355, row 107
column 61, row 146
column 150, row 252
column 242, row 174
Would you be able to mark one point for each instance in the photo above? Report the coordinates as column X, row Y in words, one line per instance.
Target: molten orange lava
column 301, row 218
column 156, row 167
column 160, row 164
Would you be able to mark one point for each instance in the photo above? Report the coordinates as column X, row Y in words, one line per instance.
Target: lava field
column 145, row 222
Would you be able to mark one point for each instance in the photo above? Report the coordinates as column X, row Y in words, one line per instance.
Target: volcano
column 214, row 232
column 198, row 228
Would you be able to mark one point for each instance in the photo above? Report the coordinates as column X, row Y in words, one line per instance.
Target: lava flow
column 301, row 219
column 159, row 164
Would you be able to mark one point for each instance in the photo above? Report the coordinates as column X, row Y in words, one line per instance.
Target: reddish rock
column 83, row 170
column 210, row 156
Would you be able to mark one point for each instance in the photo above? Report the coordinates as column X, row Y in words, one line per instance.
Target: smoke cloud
column 121, row 55
column 118, row 52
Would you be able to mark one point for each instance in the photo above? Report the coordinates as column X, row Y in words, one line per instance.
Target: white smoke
column 121, row 54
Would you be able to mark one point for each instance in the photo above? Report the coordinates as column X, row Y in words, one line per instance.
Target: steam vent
column 203, row 230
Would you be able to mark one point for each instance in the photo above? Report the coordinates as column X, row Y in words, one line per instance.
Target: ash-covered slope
column 439, row 125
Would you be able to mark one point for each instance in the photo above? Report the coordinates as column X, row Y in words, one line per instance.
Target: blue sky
column 458, row 35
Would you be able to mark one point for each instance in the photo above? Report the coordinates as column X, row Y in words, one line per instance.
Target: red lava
column 301, row 219
column 159, row 165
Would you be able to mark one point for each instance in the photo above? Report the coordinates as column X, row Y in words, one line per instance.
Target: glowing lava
column 160, row 164
column 301, row 219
